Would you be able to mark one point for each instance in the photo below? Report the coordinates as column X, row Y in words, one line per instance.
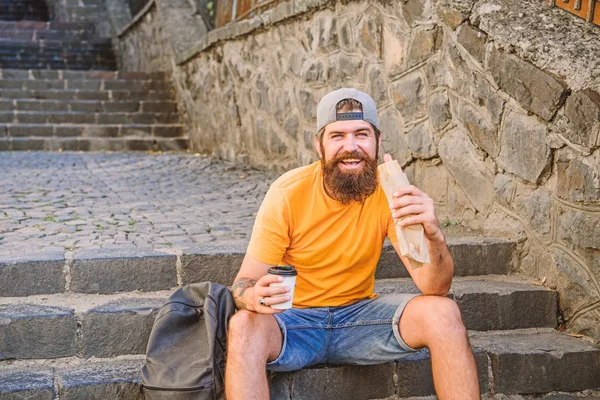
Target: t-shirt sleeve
column 270, row 235
column 391, row 229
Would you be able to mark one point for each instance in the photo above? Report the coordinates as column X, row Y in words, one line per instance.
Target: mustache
column 352, row 155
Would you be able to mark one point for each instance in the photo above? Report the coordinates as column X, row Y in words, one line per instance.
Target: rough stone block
column 578, row 177
column 119, row 327
column 466, row 166
column 539, row 361
column 481, row 131
column 32, row 331
column 27, row 275
column 424, row 44
column 415, row 378
column 99, row 271
column 472, row 256
column 118, row 380
column 394, row 44
column 583, row 111
column 346, row 382
column 393, row 140
column 280, row 385
column 410, row 96
column 421, row 141
column 536, row 208
column 535, row 89
column 491, row 304
column 496, row 305
column 481, row 256
column 439, row 110
column 579, row 228
column 525, row 150
column 25, row 384
column 220, row 268
column 27, row 144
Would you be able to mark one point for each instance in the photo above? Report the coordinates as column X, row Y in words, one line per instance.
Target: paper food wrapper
column 411, row 238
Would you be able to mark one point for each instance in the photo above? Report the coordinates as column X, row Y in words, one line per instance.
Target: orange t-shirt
column 334, row 247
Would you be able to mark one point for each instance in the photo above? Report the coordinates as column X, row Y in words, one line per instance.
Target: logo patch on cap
column 348, row 116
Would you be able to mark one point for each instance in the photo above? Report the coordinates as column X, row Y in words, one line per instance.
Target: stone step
column 100, row 130
column 109, row 271
column 89, row 325
column 83, row 94
column 73, row 379
column 511, row 366
column 87, row 84
column 58, row 64
column 7, row 73
column 9, row 119
column 93, row 106
column 46, row 25
column 540, row 361
column 67, row 35
column 70, row 325
column 472, row 256
column 7, row 43
column 492, row 302
column 118, row 144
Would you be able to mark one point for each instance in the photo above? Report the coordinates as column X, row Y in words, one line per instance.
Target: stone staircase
column 54, row 45
column 75, row 327
column 59, row 90
column 88, row 111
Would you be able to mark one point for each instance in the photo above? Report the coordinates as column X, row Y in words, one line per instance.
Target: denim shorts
column 363, row 333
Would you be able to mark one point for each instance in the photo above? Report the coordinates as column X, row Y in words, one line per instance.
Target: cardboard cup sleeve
column 411, row 238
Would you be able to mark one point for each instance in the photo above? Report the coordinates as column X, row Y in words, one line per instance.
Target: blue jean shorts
column 363, row 333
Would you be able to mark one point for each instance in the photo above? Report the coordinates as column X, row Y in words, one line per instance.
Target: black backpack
column 185, row 356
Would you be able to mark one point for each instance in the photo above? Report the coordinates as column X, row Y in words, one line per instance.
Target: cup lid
column 286, row 270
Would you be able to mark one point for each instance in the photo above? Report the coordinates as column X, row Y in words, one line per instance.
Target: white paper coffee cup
column 288, row 273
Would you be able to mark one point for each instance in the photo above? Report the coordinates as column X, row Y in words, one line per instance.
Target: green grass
column 49, row 218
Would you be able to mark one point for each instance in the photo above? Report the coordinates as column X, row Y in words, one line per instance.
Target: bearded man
column 329, row 220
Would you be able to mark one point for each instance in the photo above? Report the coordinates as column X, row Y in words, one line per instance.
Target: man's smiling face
column 348, row 151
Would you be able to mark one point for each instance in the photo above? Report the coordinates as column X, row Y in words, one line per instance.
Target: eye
column 364, row 134
column 336, row 135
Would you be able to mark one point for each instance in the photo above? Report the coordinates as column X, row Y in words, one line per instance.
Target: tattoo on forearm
column 239, row 288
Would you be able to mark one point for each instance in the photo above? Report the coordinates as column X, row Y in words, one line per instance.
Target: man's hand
column 413, row 206
column 248, row 294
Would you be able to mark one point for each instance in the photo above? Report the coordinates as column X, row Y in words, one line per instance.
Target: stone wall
column 143, row 45
column 491, row 107
column 160, row 30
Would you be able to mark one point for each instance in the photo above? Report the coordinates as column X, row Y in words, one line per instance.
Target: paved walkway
column 53, row 202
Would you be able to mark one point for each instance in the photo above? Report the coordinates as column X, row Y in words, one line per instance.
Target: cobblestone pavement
column 53, row 202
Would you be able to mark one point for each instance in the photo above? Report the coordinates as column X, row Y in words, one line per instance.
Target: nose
column 350, row 143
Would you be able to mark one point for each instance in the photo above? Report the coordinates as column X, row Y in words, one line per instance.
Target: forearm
column 435, row 278
column 242, row 291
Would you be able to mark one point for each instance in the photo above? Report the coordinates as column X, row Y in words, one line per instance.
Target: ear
column 317, row 144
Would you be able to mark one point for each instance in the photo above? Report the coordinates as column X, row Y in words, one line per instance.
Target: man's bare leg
column 435, row 322
column 253, row 340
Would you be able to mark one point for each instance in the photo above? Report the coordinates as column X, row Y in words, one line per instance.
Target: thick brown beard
column 346, row 187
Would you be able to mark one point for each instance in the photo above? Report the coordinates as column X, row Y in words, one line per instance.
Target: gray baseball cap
column 326, row 113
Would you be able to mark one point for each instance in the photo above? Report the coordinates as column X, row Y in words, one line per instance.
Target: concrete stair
column 74, row 326
column 51, row 45
column 88, row 111
column 15, row 10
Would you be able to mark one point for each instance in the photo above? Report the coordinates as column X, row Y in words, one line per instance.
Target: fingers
column 269, row 295
column 266, row 280
column 387, row 157
column 410, row 189
column 266, row 291
column 408, row 210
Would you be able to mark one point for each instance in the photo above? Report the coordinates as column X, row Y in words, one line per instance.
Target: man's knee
column 258, row 330
column 441, row 316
